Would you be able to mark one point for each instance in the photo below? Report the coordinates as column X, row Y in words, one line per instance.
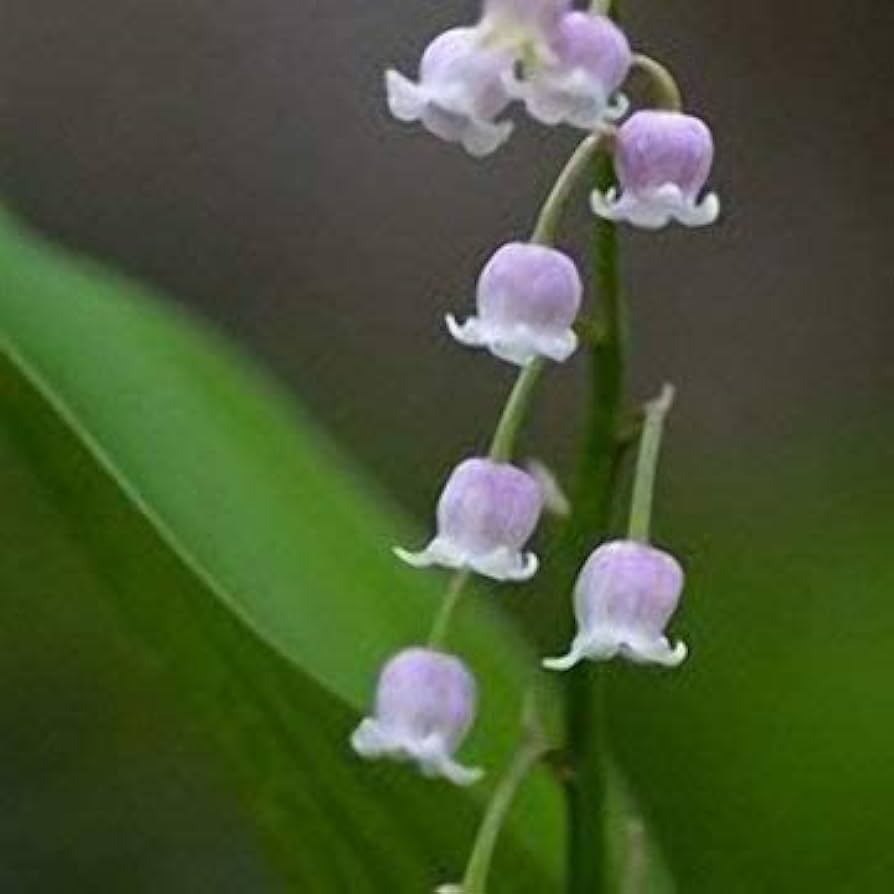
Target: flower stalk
column 593, row 501
column 664, row 85
column 529, row 752
column 647, row 463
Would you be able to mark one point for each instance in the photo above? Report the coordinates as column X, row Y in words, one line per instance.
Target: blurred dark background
column 238, row 154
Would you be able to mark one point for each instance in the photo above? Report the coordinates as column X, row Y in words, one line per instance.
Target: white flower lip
column 573, row 97
column 517, row 344
column 501, row 564
column 616, row 642
column 374, row 739
column 656, row 208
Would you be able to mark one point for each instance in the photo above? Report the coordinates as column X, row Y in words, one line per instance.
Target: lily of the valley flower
column 662, row 160
column 528, row 297
column 624, row 597
column 578, row 86
column 466, row 73
column 460, row 92
column 425, row 704
column 486, row 513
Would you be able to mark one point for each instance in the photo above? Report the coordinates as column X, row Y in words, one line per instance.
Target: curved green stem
column 551, row 212
column 503, row 442
column 529, row 752
column 441, row 625
column 646, row 465
column 663, row 82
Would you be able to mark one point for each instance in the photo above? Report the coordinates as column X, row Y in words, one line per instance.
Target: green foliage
column 766, row 761
column 250, row 570
column 174, row 532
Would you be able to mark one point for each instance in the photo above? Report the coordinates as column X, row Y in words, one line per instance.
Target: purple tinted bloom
column 461, row 90
column 425, row 704
column 591, row 59
column 663, row 160
column 487, row 512
column 624, row 597
column 528, row 297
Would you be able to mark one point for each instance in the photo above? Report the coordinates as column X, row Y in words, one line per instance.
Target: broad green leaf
column 252, row 567
column 765, row 762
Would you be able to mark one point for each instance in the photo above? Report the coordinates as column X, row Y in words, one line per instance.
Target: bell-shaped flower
column 465, row 73
column 528, row 297
column 662, row 160
column 424, row 705
column 460, row 92
column 486, row 513
column 624, row 597
column 578, row 85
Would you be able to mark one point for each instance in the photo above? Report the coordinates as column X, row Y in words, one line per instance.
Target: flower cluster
column 564, row 66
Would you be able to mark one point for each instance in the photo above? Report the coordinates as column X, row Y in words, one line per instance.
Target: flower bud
column 662, row 160
column 528, row 297
column 425, row 704
column 487, row 512
column 590, row 61
column 461, row 90
column 624, row 596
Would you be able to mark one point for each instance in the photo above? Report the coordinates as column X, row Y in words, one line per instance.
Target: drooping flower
column 486, row 513
column 624, row 597
column 528, row 297
column 465, row 73
column 460, row 92
column 662, row 160
column 578, row 86
column 424, row 706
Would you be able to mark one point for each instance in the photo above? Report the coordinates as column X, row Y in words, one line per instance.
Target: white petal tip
column 603, row 204
column 458, row 774
column 510, row 567
column 708, row 210
column 466, row 333
column 657, row 651
column 677, row 655
column 367, row 740
column 564, row 663
column 405, row 99
column 617, row 108
column 421, row 559
column 482, row 138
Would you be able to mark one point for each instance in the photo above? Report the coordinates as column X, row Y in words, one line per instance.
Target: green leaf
column 765, row 762
column 252, row 569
